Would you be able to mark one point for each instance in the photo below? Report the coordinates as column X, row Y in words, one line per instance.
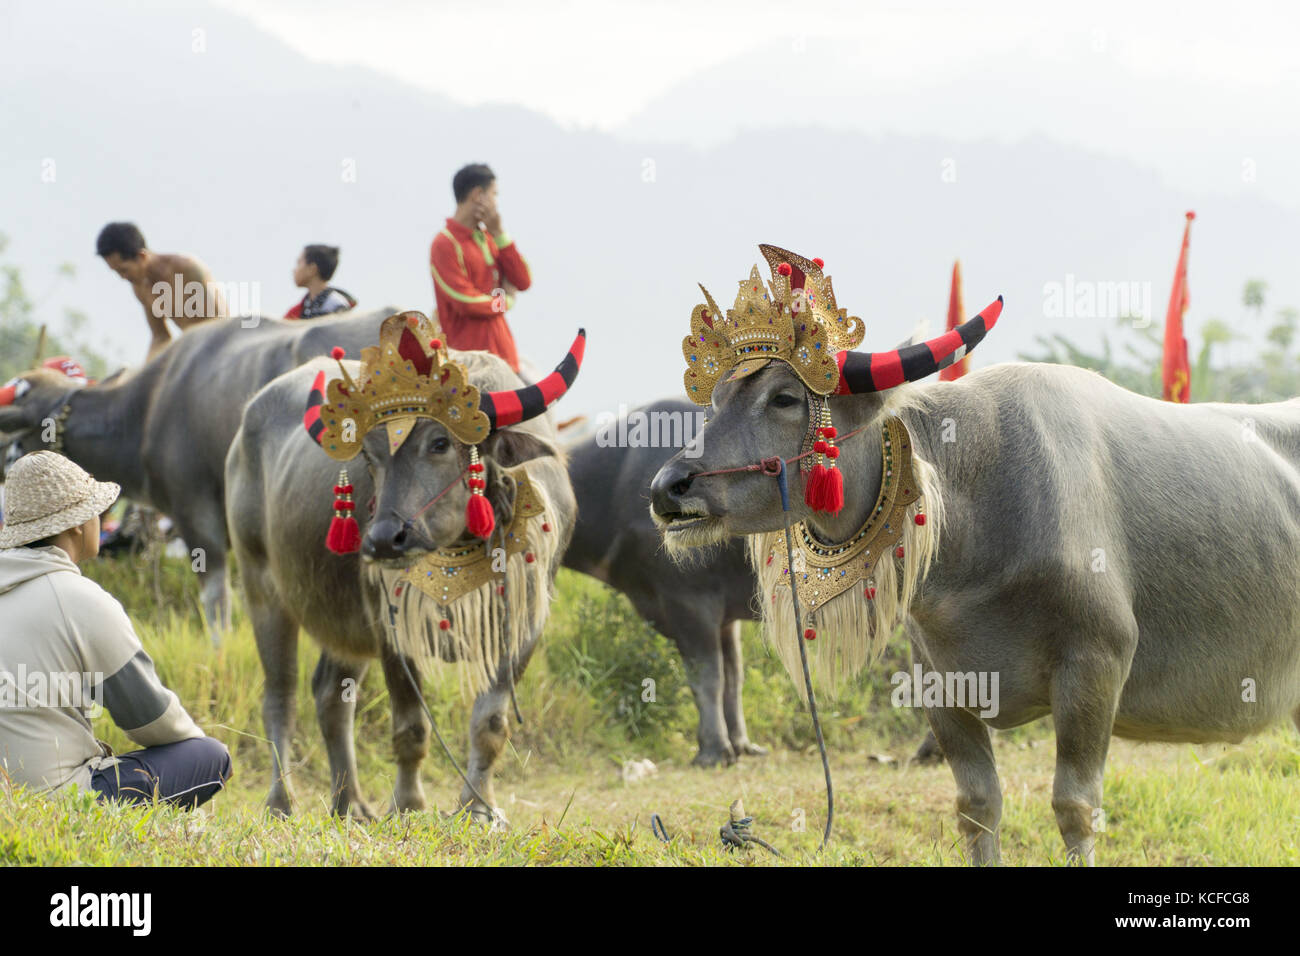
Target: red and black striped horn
column 520, row 404
column 876, row 371
column 311, row 417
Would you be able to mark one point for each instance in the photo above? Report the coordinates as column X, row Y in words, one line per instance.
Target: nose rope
column 773, row 466
column 803, row 652
column 408, row 522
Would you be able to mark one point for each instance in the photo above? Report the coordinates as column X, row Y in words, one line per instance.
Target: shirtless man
column 169, row 286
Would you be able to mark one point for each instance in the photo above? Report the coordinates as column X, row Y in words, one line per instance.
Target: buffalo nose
column 386, row 539
column 669, row 486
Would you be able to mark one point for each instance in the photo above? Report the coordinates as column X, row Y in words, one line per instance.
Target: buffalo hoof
column 408, row 799
column 407, row 805
column 481, row 815
column 356, row 808
column 279, row 804
column 929, row 752
column 747, row 749
column 714, row 756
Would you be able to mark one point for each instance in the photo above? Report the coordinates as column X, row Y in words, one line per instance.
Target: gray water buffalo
column 162, row 432
column 698, row 608
column 1125, row 565
column 411, row 505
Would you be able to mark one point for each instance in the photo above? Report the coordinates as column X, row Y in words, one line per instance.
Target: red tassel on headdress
column 824, row 484
column 824, row 489
column 344, row 536
column 814, row 488
column 479, row 518
column 833, row 493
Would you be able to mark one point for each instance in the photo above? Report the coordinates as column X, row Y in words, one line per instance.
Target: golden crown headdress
column 793, row 318
column 409, row 375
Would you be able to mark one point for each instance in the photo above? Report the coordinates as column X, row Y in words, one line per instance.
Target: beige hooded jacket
column 66, row 649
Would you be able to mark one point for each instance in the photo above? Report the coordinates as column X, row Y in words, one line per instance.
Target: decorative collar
column 447, row 574
column 825, row 571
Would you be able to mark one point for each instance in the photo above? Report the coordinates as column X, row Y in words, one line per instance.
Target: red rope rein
column 770, row 466
column 434, row 500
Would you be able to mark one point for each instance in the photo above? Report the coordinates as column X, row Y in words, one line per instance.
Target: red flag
column 955, row 312
column 1177, row 373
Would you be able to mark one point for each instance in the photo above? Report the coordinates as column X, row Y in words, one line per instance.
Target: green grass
column 559, row 781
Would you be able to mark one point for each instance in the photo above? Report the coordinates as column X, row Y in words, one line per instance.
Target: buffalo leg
column 969, row 749
column 214, row 595
column 410, row 730
column 334, row 685
column 1085, row 696
column 277, row 646
column 929, row 751
column 489, row 729
column 733, row 708
column 205, row 535
column 701, row 650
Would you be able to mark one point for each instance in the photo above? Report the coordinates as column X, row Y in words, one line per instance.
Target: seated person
column 315, row 267
column 67, row 646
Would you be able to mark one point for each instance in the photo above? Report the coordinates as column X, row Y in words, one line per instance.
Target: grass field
column 560, row 783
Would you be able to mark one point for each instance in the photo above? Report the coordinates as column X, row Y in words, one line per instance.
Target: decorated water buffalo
column 443, row 541
column 1124, row 565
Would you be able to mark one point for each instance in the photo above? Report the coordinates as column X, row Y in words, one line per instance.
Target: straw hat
column 45, row 494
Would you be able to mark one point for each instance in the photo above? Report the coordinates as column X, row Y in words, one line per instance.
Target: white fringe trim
column 852, row 630
column 480, row 638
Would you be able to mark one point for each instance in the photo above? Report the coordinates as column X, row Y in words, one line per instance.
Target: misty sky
column 596, row 63
column 1083, row 133
column 1144, row 81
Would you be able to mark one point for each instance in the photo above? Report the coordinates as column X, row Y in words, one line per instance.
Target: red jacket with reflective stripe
column 468, row 269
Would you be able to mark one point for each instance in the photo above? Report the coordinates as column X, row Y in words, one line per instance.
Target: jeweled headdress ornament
column 795, row 319
column 409, row 375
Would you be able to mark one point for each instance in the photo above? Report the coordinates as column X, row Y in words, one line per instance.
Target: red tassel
column 824, row 489
column 813, row 487
column 344, row 536
column 479, row 517
column 833, row 498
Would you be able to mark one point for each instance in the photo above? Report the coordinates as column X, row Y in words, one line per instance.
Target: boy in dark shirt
column 315, row 267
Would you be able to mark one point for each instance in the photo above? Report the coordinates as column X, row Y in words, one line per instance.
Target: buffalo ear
column 510, row 446
column 500, row 491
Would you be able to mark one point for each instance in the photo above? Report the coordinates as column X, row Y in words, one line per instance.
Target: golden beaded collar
column 450, row 573
column 825, row 571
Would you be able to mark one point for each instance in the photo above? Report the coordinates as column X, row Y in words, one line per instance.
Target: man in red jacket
column 476, row 269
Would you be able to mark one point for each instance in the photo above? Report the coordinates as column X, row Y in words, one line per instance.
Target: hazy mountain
column 1204, row 137
column 238, row 154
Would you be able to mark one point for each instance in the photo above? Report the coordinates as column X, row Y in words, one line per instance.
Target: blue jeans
column 187, row 773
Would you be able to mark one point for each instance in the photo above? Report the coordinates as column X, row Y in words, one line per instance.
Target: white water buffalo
column 1126, row 565
column 277, row 485
column 162, row 432
column 699, row 609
